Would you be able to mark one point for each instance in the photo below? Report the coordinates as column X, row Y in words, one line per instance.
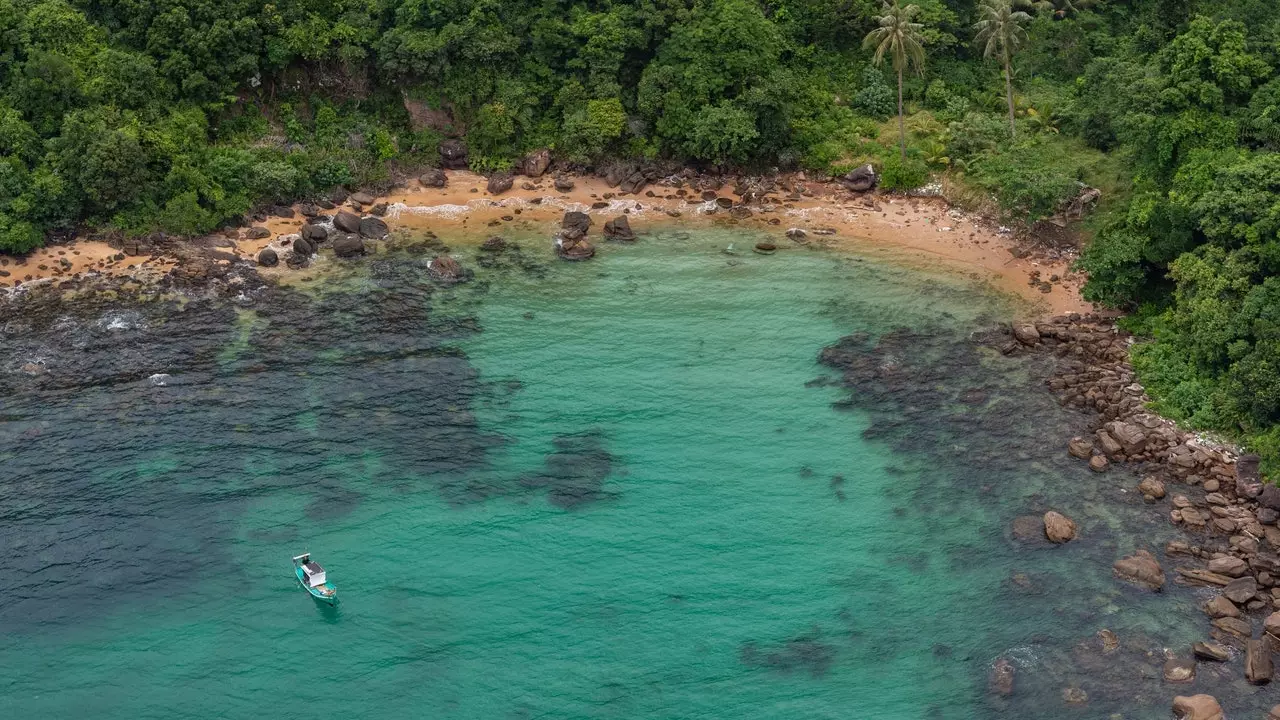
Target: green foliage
column 899, row 174
column 875, row 98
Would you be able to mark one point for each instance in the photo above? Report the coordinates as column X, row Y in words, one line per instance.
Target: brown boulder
column 1151, row 488
column 1215, row 652
column 1080, row 447
column 257, row 233
column 578, row 249
column 1258, row 666
column 1098, row 463
column 362, row 198
column 347, row 222
column 563, row 184
column 1274, row 714
column 1197, row 707
column 435, row 178
column 348, row 246
column 445, row 268
column 1241, row 590
column 1058, row 527
column 574, row 225
column 1218, row 606
column 1234, row 626
column 536, row 163
column 373, row 228
column 1142, row 569
column 1272, row 625
column 1026, row 334
column 500, row 183
column 619, row 228
column 1109, row 445
column 268, row 258
column 1228, row 565
column 1130, row 437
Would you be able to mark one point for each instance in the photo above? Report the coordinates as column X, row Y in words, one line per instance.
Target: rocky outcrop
column 536, row 163
column 372, row 228
column 453, row 154
column 1241, row 590
column 1197, row 707
column 1141, row 569
column 268, row 258
column 434, row 178
column 347, row 222
column 1218, row 606
column 579, row 249
column 348, row 245
column 303, row 247
column 619, row 228
column 634, row 183
column 1228, row 565
column 1058, row 527
column 500, row 183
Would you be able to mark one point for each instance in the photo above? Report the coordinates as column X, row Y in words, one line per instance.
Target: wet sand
column 899, row 228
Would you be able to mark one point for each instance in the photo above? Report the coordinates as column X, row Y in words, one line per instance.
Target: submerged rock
column 445, row 268
column 1000, row 679
column 1212, row 651
column 1080, row 447
column 1142, row 569
column 1058, row 527
column 348, row 246
column 1179, row 670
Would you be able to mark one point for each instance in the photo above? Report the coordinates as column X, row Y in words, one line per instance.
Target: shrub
column 895, row 174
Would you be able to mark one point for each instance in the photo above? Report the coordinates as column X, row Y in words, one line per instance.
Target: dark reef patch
column 806, row 652
column 574, row 474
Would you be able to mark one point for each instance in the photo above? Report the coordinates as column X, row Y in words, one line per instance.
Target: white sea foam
column 159, row 379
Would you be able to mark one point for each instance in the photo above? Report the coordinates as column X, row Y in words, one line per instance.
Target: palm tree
column 900, row 38
column 1000, row 32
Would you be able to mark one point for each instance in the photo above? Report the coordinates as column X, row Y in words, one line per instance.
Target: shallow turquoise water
column 610, row 489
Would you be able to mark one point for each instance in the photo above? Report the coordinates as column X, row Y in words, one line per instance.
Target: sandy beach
column 900, row 228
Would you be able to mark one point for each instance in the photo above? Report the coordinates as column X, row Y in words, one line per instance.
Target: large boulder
column 445, row 268
column 1269, row 497
column 1026, row 334
column 563, row 184
column 1080, row 447
column 1258, row 666
column 1241, row 590
column 347, row 222
column 1130, row 437
column 373, row 228
column 861, row 179
column 619, row 228
column 1098, row 463
column 434, row 178
column 1214, row 652
column 362, row 198
column 536, row 163
column 500, row 183
column 1218, row 607
column 574, row 225
column 1141, row 569
column 1179, row 670
column 268, row 258
column 1197, row 707
column 453, row 154
column 1272, row 625
column 578, row 249
column 315, row 233
column 634, row 183
column 257, row 232
column 1151, row 488
column 348, row 246
column 1109, row 445
column 303, row 247
column 1058, row 527
column 1228, row 565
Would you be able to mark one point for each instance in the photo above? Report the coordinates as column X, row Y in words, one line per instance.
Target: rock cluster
column 571, row 241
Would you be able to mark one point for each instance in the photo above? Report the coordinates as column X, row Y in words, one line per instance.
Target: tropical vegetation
column 179, row 115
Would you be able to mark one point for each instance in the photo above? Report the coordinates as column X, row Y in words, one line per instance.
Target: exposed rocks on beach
column 1217, row 498
column 571, row 241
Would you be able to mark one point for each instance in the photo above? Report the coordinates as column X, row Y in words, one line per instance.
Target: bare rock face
column 1234, row 627
column 1197, row 707
column 578, row 249
column 1109, row 445
column 362, row 198
column 1131, row 437
column 1058, row 527
column 1141, row 569
column 574, row 225
column 373, row 228
column 1080, row 447
column 1258, row 666
column 1151, row 488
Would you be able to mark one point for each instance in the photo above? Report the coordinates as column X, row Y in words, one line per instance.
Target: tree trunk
column 1008, row 93
column 902, row 125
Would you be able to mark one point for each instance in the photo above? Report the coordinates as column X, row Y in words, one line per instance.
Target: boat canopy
column 314, row 573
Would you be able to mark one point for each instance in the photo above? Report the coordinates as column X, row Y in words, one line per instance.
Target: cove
column 623, row 488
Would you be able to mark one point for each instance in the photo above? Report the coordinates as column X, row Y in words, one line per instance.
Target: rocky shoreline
column 1216, row 496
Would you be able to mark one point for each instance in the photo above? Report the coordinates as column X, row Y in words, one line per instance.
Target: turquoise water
column 625, row 488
